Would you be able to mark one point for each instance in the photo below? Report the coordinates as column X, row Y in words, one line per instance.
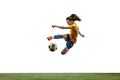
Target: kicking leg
column 56, row 37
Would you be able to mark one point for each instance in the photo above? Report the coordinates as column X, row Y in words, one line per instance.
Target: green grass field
column 59, row 76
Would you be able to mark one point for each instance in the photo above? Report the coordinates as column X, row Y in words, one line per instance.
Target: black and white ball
column 52, row 47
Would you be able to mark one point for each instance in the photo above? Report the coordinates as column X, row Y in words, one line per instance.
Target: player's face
column 69, row 22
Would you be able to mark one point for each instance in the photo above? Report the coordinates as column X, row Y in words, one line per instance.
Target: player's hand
column 82, row 35
column 53, row 26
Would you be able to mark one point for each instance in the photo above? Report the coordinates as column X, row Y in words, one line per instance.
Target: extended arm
column 81, row 34
column 61, row 27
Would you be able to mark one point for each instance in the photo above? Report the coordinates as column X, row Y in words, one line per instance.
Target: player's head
column 70, row 20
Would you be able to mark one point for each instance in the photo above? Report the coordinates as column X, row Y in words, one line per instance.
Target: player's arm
column 81, row 34
column 61, row 27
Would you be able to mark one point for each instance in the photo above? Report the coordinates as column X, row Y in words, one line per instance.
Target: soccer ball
column 52, row 47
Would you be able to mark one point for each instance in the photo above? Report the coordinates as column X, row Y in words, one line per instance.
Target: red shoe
column 49, row 38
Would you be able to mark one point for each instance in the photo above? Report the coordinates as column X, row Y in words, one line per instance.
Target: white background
column 25, row 24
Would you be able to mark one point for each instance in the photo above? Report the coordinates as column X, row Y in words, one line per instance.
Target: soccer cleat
column 49, row 38
column 64, row 51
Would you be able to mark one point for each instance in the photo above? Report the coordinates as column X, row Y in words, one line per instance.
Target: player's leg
column 59, row 36
column 69, row 44
column 65, row 36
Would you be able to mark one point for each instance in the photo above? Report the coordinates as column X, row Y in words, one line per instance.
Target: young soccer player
column 70, row 38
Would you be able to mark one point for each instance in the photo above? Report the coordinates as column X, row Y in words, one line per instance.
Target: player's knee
column 65, row 36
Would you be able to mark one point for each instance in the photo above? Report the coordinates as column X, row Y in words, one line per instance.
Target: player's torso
column 74, row 32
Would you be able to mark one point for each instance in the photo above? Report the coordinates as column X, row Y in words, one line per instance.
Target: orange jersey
column 74, row 32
